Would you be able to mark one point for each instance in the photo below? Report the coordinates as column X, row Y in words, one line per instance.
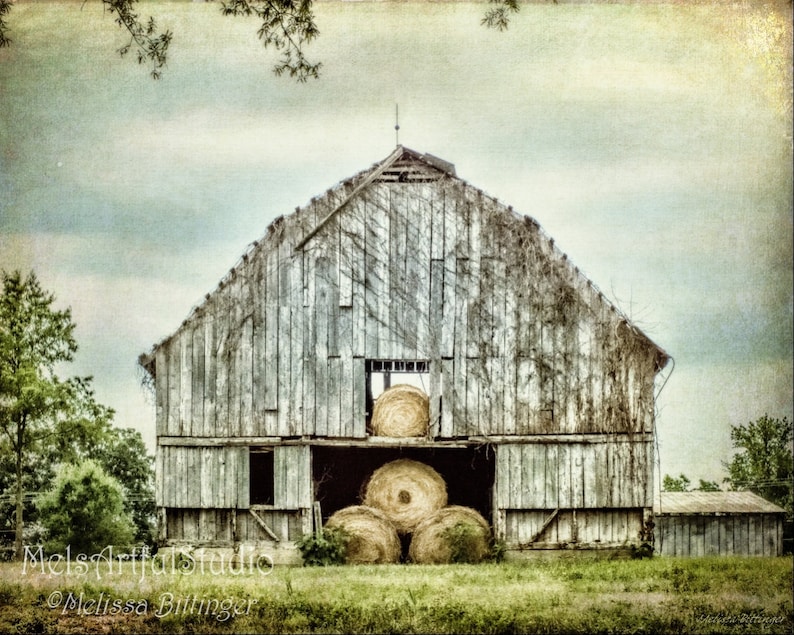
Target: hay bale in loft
column 373, row 538
column 452, row 534
column 407, row 491
column 401, row 411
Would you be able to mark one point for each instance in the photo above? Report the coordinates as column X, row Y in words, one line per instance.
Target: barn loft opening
column 340, row 474
column 261, row 475
column 382, row 374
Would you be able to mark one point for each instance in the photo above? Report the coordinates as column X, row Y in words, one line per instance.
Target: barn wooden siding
column 591, row 492
column 519, row 342
column 201, row 489
column 407, row 262
column 218, row 477
column 719, row 534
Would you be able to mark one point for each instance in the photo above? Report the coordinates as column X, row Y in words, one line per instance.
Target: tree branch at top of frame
column 5, row 7
column 286, row 26
column 151, row 47
column 498, row 16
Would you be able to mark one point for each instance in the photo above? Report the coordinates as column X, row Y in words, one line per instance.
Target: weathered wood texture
column 719, row 534
column 519, row 342
column 612, row 474
column 229, row 526
column 219, row 477
column 590, row 528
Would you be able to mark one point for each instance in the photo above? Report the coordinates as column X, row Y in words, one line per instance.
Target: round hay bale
column 452, row 534
column 401, row 411
column 372, row 537
column 406, row 491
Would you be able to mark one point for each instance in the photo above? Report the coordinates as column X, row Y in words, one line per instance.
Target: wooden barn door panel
column 292, row 477
column 203, row 477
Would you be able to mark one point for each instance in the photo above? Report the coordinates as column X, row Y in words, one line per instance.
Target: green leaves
column 328, row 547
column 151, row 47
column 32, row 333
column 33, row 339
column 5, row 7
column 498, row 17
column 680, row 484
column 287, row 26
column 764, row 462
column 85, row 510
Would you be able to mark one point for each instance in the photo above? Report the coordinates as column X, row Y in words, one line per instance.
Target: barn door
column 292, row 477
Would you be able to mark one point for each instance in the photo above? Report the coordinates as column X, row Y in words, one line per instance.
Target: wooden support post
column 162, row 525
column 574, row 529
column 318, row 519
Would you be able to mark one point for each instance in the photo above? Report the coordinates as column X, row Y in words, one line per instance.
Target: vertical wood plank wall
column 725, row 534
column 218, row 477
column 611, row 474
column 587, row 493
column 519, row 343
column 523, row 343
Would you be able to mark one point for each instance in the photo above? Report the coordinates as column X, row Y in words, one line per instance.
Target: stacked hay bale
column 413, row 496
column 401, row 411
column 372, row 538
column 407, row 492
column 409, row 498
column 452, row 534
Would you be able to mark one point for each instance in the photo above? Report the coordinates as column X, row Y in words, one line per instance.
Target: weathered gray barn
column 541, row 390
column 718, row 523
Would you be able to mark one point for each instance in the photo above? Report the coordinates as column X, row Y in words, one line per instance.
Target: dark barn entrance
column 340, row 473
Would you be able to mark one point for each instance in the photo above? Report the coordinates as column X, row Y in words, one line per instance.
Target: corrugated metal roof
column 713, row 503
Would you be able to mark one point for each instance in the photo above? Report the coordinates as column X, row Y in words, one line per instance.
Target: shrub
column 644, row 550
column 84, row 510
column 326, row 548
column 465, row 542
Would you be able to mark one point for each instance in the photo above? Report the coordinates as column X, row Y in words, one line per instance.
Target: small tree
column 680, row 484
column 123, row 456
column 707, row 486
column 85, row 510
column 34, row 338
column 763, row 462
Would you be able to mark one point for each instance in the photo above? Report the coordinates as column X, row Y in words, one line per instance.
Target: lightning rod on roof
column 397, row 124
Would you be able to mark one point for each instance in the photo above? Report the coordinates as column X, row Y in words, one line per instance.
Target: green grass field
column 705, row 595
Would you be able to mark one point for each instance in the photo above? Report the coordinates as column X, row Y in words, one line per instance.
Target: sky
column 652, row 141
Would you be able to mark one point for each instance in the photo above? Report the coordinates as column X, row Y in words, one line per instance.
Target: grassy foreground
column 706, row 595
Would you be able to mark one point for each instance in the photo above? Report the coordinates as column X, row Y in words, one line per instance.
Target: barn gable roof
column 402, row 165
column 714, row 503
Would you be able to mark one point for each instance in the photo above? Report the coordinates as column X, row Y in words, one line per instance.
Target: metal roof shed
column 717, row 523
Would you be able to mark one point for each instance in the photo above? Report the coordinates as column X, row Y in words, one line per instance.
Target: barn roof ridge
column 360, row 181
column 387, row 170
